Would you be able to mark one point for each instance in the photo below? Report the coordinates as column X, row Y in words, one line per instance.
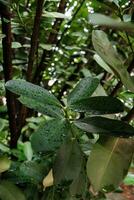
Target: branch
column 71, row 20
column 52, row 39
column 129, row 116
column 7, row 67
column 34, row 38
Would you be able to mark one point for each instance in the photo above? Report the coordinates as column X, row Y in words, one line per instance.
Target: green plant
column 61, row 135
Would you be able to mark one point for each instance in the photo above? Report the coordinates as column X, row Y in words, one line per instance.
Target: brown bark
column 7, row 67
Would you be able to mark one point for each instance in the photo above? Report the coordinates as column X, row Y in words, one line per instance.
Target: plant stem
column 7, row 67
column 52, row 39
column 34, row 39
column 71, row 20
column 130, row 116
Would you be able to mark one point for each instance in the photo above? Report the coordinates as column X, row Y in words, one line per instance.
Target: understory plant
column 62, row 136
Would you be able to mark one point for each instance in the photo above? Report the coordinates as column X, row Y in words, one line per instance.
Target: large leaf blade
column 39, row 106
column 109, row 156
column 68, row 162
column 98, row 105
column 109, row 54
column 102, row 125
column 83, row 89
column 49, row 136
column 10, row 191
column 36, row 97
column 29, row 90
column 103, row 20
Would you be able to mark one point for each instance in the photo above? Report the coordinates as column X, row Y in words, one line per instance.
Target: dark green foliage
column 66, row 98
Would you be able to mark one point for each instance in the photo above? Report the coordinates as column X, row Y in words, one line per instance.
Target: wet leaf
column 49, row 136
column 105, row 126
column 98, row 105
column 83, row 89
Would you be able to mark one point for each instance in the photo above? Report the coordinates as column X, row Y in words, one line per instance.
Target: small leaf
column 49, row 136
column 102, row 125
column 5, row 163
column 28, row 150
column 9, row 191
column 83, row 89
column 109, row 162
column 67, row 165
column 98, row 105
column 54, row 15
column 109, row 54
column 103, row 20
column 47, row 47
column 48, row 180
column 16, row 45
column 102, row 63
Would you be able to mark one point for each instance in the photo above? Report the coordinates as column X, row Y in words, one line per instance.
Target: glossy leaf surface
column 102, row 125
column 98, row 105
column 83, row 89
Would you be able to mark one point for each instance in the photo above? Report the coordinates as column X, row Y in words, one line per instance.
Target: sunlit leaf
column 5, row 163
column 103, row 20
column 54, row 15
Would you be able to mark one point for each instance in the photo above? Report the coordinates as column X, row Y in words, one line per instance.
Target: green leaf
column 109, row 54
column 78, row 186
column 47, row 47
column 5, row 163
column 98, row 105
column 68, row 162
column 49, row 136
column 102, row 125
column 42, row 107
column 36, row 97
column 129, row 180
column 83, row 89
column 27, row 89
column 28, row 150
column 32, row 171
column 109, row 162
column 16, row 45
column 54, row 15
column 9, row 191
column 101, row 62
column 103, row 20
